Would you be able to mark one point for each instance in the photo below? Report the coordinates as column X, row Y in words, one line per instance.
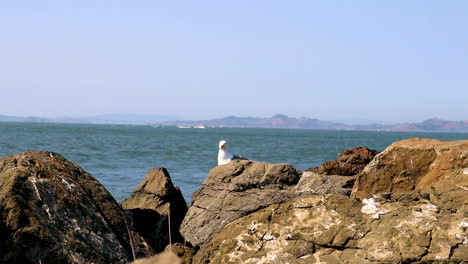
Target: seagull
column 224, row 157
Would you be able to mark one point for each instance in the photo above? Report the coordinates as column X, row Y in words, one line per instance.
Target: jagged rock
column 316, row 183
column 150, row 204
column 348, row 163
column 415, row 164
column 407, row 228
column 234, row 190
column 163, row 258
column 52, row 211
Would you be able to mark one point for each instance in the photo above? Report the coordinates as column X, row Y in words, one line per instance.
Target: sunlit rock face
column 335, row 229
column 234, row 190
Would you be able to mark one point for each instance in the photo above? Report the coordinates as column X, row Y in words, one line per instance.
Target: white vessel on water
column 197, row 126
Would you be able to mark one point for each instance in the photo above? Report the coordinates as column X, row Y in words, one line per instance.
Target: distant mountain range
column 282, row 121
column 127, row 119
column 277, row 121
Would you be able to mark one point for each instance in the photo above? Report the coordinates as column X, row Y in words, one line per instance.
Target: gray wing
column 239, row 157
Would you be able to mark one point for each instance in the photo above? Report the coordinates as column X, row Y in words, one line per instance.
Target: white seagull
column 224, row 157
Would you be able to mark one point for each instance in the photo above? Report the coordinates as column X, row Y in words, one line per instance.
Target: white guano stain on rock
column 463, row 237
column 371, row 208
column 70, row 186
column 426, row 211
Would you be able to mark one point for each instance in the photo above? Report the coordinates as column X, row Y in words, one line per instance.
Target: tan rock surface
column 163, row 258
column 415, row 164
column 234, row 190
column 407, row 228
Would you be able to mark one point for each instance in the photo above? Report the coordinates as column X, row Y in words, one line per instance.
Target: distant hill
column 126, row 119
column 276, row 121
column 282, row 121
column 5, row 118
column 432, row 125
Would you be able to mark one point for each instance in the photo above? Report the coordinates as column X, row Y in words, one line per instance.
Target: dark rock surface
column 51, row 211
column 234, row 190
column 405, row 228
column 149, row 207
column 348, row 163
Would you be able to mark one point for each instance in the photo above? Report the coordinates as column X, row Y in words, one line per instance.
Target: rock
column 163, row 258
column 415, row 164
column 316, row 183
column 182, row 251
column 150, row 204
column 52, row 211
column 336, row 176
column 234, row 190
column 332, row 228
column 348, row 163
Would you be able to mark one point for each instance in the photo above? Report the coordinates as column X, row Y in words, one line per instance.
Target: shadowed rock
column 348, row 163
column 51, row 211
column 150, row 204
column 234, row 190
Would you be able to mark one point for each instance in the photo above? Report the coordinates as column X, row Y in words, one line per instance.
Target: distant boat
column 197, row 126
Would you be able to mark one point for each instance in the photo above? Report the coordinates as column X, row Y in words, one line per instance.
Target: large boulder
column 154, row 202
column 52, row 211
column 234, row 190
column 404, row 228
column 415, row 164
column 348, row 163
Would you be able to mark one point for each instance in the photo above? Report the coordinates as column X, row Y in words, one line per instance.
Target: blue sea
column 119, row 156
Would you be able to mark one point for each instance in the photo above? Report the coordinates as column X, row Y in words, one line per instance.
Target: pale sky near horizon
column 393, row 61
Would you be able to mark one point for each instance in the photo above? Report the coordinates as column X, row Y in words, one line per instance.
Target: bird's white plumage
column 224, row 157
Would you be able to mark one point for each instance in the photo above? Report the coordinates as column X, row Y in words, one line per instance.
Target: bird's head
column 223, row 144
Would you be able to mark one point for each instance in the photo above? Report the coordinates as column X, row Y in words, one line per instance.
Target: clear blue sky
column 332, row 60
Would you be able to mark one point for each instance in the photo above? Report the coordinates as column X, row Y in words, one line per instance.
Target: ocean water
column 119, row 156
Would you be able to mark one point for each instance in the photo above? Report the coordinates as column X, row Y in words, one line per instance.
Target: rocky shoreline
column 407, row 204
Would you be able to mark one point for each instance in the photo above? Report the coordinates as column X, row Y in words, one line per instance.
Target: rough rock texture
column 348, row 163
column 316, row 183
column 406, row 228
column 234, row 190
column 51, row 211
column 184, row 252
column 415, row 164
column 150, row 204
column 163, row 258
